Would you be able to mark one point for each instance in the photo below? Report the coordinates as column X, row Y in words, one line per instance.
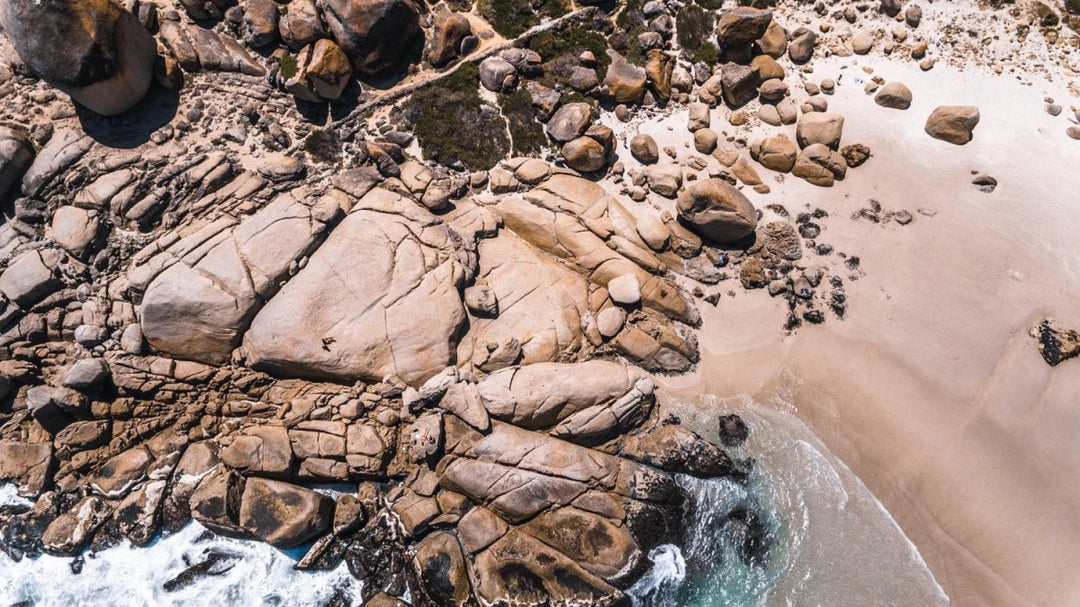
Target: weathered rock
column 569, row 121
column 660, row 68
column 198, row 307
column 705, row 140
column 106, row 61
column 820, row 127
column 953, row 123
column 75, row 229
column 819, row 165
column 1056, row 342
column 72, row 530
column 777, row 153
column 801, row 46
column 375, row 34
column 894, row 95
column 441, row 565
column 675, row 448
column 665, row 178
column 324, row 72
column 497, row 74
column 15, row 156
column 301, row 25
column 260, row 26
column 28, row 279
column 585, row 155
column 698, row 116
column 774, row 41
column 397, row 311
column 625, row 290
column 643, row 148
column 28, row 465
column 282, row 514
column 448, row 31
column 88, row 375
column 717, row 211
column 742, row 25
column 740, row 84
column 862, row 42
column 625, row 81
column 260, row 450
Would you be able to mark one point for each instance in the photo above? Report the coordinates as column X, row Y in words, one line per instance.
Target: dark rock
column 375, row 34
column 733, row 430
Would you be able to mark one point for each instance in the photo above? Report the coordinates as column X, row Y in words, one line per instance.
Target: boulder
column 862, row 42
column 740, row 84
column 107, row 58
column 75, row 229
column 584, row 154
column 28, row 279
column 284, row 515
column 497, row 74
column 328, row 70
column 569, row 121
column 774, row 41
column 441, row 566
column 801, row 46
column 447, row 33
column 1057, row 342
column 705, row 140
column 665, row 179
column 715, row 210
column 953, row 123
column 27, row 465
column 644, row 149
column 88, row 375
column 260, row 26
column 301, row 25
column 260, row 450
column 375, row 34
column 625, row 290
column 625, row 81
column 820, row 165
column 741, row 26
column 396, row 308
column 660, row 68
column 15, row 156
column 698, row 116
column 894, row 95
column 777, row 153
column 820, row 127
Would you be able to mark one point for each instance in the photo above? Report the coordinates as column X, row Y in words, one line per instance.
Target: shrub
column 708, row 53
column 1073, row 6
column 289, row 67
column 631, row 23
column 512, row 17
column 321, row 147
column 526, row 134
column 566, row 43
column 452, row 125
column 694, row 26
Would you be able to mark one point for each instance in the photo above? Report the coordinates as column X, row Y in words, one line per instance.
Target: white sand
column 931, row 389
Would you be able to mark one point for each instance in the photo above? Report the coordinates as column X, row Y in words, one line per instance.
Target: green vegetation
column 321, row 147
column 526, row 133
column 512, row 17
column 712, row 5
column 630, row 23
column 708, row 53
column 1073, row 6
column 561, row 48
column 289, row 67
column 695, row 28
column 452, row 126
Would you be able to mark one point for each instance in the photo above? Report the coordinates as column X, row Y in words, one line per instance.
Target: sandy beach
column 931, row 389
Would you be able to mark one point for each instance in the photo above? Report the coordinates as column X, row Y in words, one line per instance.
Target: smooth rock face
column 282, row 514
column 953, row 123
column 584, row 155
column 396, row 308
column 75, row 229
column 741, row 25
column 26, row 465
column 777, row 153
column 106, row 61
column 375, row 34
column 643, row 147
column 625, row 81
column 27, row 279
column 714, row 209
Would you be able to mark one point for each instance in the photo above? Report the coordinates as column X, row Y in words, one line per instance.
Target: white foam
column 668, row 570
column 253, row 573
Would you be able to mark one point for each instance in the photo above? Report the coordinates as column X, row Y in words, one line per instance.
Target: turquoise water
column 830, row 542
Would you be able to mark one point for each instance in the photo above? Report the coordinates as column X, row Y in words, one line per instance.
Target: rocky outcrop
column 397, row 311
column 375, row 34
column 15, row 156
column 106, row 61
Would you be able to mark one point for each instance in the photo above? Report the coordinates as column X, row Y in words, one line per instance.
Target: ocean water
column 829, row 542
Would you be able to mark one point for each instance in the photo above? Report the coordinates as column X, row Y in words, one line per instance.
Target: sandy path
column 931, row 391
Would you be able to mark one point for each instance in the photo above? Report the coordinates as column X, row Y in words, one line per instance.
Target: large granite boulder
column 715, row 210
column 106, row 58
column 381, row 297
column 375, row 34
column 284, row 515
column 953, row 123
